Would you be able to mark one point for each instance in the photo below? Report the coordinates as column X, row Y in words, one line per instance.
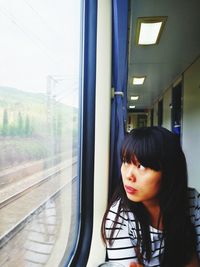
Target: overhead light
column 149, row 29
column 131, row 106
column 134, row 97
column 138, row 80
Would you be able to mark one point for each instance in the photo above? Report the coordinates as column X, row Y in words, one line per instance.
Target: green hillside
column 33, row 127
column 27, row 113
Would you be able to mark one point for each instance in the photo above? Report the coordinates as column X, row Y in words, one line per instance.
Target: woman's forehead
column 130, row 156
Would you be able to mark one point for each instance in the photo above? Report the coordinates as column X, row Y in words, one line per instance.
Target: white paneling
column 155, row 114
column 191, row 122
column 167, row 99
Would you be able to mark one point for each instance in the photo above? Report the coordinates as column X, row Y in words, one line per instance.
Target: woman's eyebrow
column 134, row 159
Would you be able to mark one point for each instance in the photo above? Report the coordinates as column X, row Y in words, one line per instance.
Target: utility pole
column 52, row 140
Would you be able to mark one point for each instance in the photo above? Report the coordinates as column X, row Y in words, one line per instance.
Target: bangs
column 144, row 147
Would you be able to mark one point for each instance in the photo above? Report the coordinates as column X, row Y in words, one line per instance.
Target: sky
column 40, row 47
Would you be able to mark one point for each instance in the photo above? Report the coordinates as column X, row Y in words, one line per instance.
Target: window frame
column 81, row 251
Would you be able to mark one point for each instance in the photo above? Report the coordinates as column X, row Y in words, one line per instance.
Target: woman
column 153, row 218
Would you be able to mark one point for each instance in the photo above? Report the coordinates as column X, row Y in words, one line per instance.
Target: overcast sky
column 40, row 39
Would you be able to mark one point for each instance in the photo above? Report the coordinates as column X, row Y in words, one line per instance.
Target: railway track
column 31, row 199
column 18, row 194
column 46, row 235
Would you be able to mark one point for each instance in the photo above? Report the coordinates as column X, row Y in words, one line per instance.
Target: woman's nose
column 130, row 174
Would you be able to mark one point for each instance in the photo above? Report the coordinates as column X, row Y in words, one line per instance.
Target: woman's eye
column 141, row 167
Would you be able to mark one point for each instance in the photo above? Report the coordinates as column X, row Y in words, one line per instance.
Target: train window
column 40, row 81
column 176, row 113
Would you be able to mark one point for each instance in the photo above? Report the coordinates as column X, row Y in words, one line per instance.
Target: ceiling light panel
column 138, row 80
column 149, row 33
column 148, row 30
column 135, row 97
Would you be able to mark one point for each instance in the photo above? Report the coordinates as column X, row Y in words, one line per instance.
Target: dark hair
column 160, row 150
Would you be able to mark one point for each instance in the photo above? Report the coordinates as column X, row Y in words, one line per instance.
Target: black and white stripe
column 123, row 249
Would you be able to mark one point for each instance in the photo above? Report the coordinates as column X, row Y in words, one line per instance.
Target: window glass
column 39, row 111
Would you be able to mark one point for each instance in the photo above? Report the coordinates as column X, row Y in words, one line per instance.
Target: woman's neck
column 153, row 209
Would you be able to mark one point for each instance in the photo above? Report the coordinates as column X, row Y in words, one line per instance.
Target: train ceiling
column 163, row 63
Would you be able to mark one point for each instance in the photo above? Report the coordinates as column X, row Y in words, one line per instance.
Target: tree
column 20, row 124
column 27, row 126
column 5, row 122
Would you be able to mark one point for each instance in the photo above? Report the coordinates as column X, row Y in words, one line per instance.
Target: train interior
column 169, row 95
column 75, row 77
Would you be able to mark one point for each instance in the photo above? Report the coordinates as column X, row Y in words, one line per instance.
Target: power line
column 41, row 18
column 36, row 40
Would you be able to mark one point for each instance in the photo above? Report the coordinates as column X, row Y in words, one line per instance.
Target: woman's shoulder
column 193, row 195
column 120, row 212
column 115, row 205
column 116, row 210
column 194, row 210
column 194, row 203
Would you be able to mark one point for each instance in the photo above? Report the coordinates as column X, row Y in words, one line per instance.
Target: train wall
column 191, row 121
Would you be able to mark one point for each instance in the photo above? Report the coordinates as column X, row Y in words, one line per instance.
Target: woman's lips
column 130, row 189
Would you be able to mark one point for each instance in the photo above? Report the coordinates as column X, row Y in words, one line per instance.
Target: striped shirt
column 125, row 236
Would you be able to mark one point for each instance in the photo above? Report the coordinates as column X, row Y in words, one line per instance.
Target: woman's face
column 141, row 184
